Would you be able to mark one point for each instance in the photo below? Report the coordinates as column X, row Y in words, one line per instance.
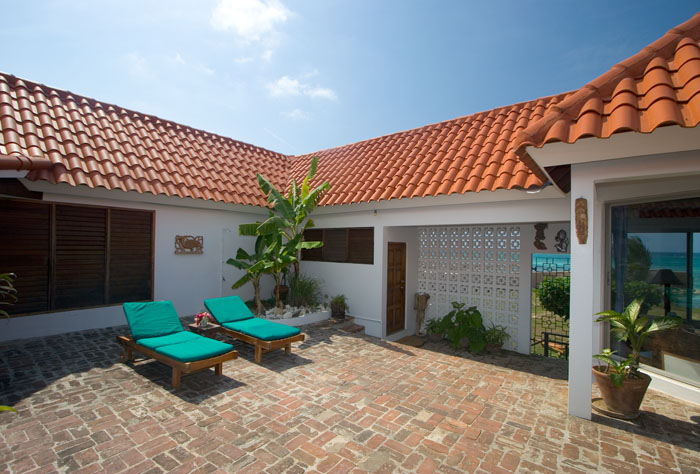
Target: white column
column 587, row 286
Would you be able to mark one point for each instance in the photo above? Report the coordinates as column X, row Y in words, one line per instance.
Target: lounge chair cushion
column 262, row 329
column 156, row 343
column 154, row 319
column 202, row 348
column 228, row 309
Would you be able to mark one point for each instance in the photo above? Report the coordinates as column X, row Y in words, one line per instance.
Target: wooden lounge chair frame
column 179, row 368
column 262, row 346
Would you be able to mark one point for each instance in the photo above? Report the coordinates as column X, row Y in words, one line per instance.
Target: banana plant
column 8, row 293
column 289, row 214
column 253, row 272
column 629, row 327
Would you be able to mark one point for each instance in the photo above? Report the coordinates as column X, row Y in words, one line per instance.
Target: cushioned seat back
column 228, row 309
column 154, row 319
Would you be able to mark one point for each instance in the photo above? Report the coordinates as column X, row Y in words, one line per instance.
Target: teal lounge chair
column 238, row 322
column 157, row 332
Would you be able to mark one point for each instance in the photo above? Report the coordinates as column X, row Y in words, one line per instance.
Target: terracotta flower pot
column 623, row 402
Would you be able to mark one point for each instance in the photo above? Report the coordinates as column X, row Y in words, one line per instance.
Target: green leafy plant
column 496, row 335
column 304, row 291
column 629, row 327
column 463, row 323
column 253, row 270
column 554, row 294
column 340, row 301
column 8, row 297
column 290, row 213
column 8, row 292
column 435, row 326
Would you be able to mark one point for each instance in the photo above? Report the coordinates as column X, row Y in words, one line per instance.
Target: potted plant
column 203, row 319
column 621, row 384
column 339, row 305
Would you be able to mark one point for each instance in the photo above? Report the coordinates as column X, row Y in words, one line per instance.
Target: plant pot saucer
column 599, row 405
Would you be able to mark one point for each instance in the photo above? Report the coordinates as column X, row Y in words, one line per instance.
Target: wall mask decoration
column 562, row 238
column 539, row 236
column 581, row 216
column 189, row 244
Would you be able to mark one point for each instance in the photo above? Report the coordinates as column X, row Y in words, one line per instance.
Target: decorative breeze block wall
column 476, row 265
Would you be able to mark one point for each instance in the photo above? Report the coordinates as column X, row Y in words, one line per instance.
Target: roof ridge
column 65, row 94
column 414, row 130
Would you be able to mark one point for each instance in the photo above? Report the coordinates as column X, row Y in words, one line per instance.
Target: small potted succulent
column 204, row 318
column 621, row 384
column 339, row 305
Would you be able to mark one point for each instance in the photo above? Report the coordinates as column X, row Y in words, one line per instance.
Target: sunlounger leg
column 176, row 377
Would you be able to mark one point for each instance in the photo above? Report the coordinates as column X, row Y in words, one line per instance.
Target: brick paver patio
column 342, row 402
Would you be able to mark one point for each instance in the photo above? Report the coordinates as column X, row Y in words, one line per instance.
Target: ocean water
column 674, row 261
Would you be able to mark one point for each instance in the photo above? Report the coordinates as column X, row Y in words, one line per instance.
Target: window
column 655, row 256
column 344, row 245
column 68, row 256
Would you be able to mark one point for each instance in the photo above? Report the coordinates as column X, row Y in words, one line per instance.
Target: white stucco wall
column 601, row 183
column 186, row 280
column 365, row 285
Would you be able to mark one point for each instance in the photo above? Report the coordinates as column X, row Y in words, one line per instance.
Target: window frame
column 352, row 255
column 51, row 263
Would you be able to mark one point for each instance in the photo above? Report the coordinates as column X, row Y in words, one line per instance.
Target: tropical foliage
column 280, row 238
column 290, row 213
column 632, row 329
column 8, row 293
column 554, row 294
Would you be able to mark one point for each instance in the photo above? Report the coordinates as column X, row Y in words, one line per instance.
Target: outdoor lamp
column 667, row 278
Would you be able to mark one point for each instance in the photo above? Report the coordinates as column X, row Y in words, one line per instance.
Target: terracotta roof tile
column 101, row 145
column 656, row 87
column 467, row 154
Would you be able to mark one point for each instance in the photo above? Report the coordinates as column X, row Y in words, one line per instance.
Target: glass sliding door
column 655, row 255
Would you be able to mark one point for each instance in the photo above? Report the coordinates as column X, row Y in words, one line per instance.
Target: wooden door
column 396, row 287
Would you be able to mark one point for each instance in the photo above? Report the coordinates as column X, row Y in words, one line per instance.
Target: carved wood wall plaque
column 189, row 244
column 539, row 236
column 581, row 216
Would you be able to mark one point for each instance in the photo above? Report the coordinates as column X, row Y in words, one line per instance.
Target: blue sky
column 301, row 76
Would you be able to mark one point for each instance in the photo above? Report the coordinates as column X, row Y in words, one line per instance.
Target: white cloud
column 243, row 60
column 178, row 59
column 207, row 70
column 296, row 114
column 251, row 20
column 266, row 56
column 287, row 86
column 321, row 93
column 138, row 66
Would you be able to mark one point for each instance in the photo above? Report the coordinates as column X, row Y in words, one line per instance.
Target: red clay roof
column 658, row 86
column 96, row 144
column 101, row 145
column 472, row 153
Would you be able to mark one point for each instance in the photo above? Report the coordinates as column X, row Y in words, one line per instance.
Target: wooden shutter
column 130, row 255
column 24, row 251
column 361, row 245
column 313, row 235
column 335, row 245
column 81, row 240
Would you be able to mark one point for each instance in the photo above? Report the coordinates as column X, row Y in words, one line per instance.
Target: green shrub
column 554, row 294
column 496, row 335
column 304, row 291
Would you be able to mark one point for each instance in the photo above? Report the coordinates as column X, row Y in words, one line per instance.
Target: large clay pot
column 623, row 402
